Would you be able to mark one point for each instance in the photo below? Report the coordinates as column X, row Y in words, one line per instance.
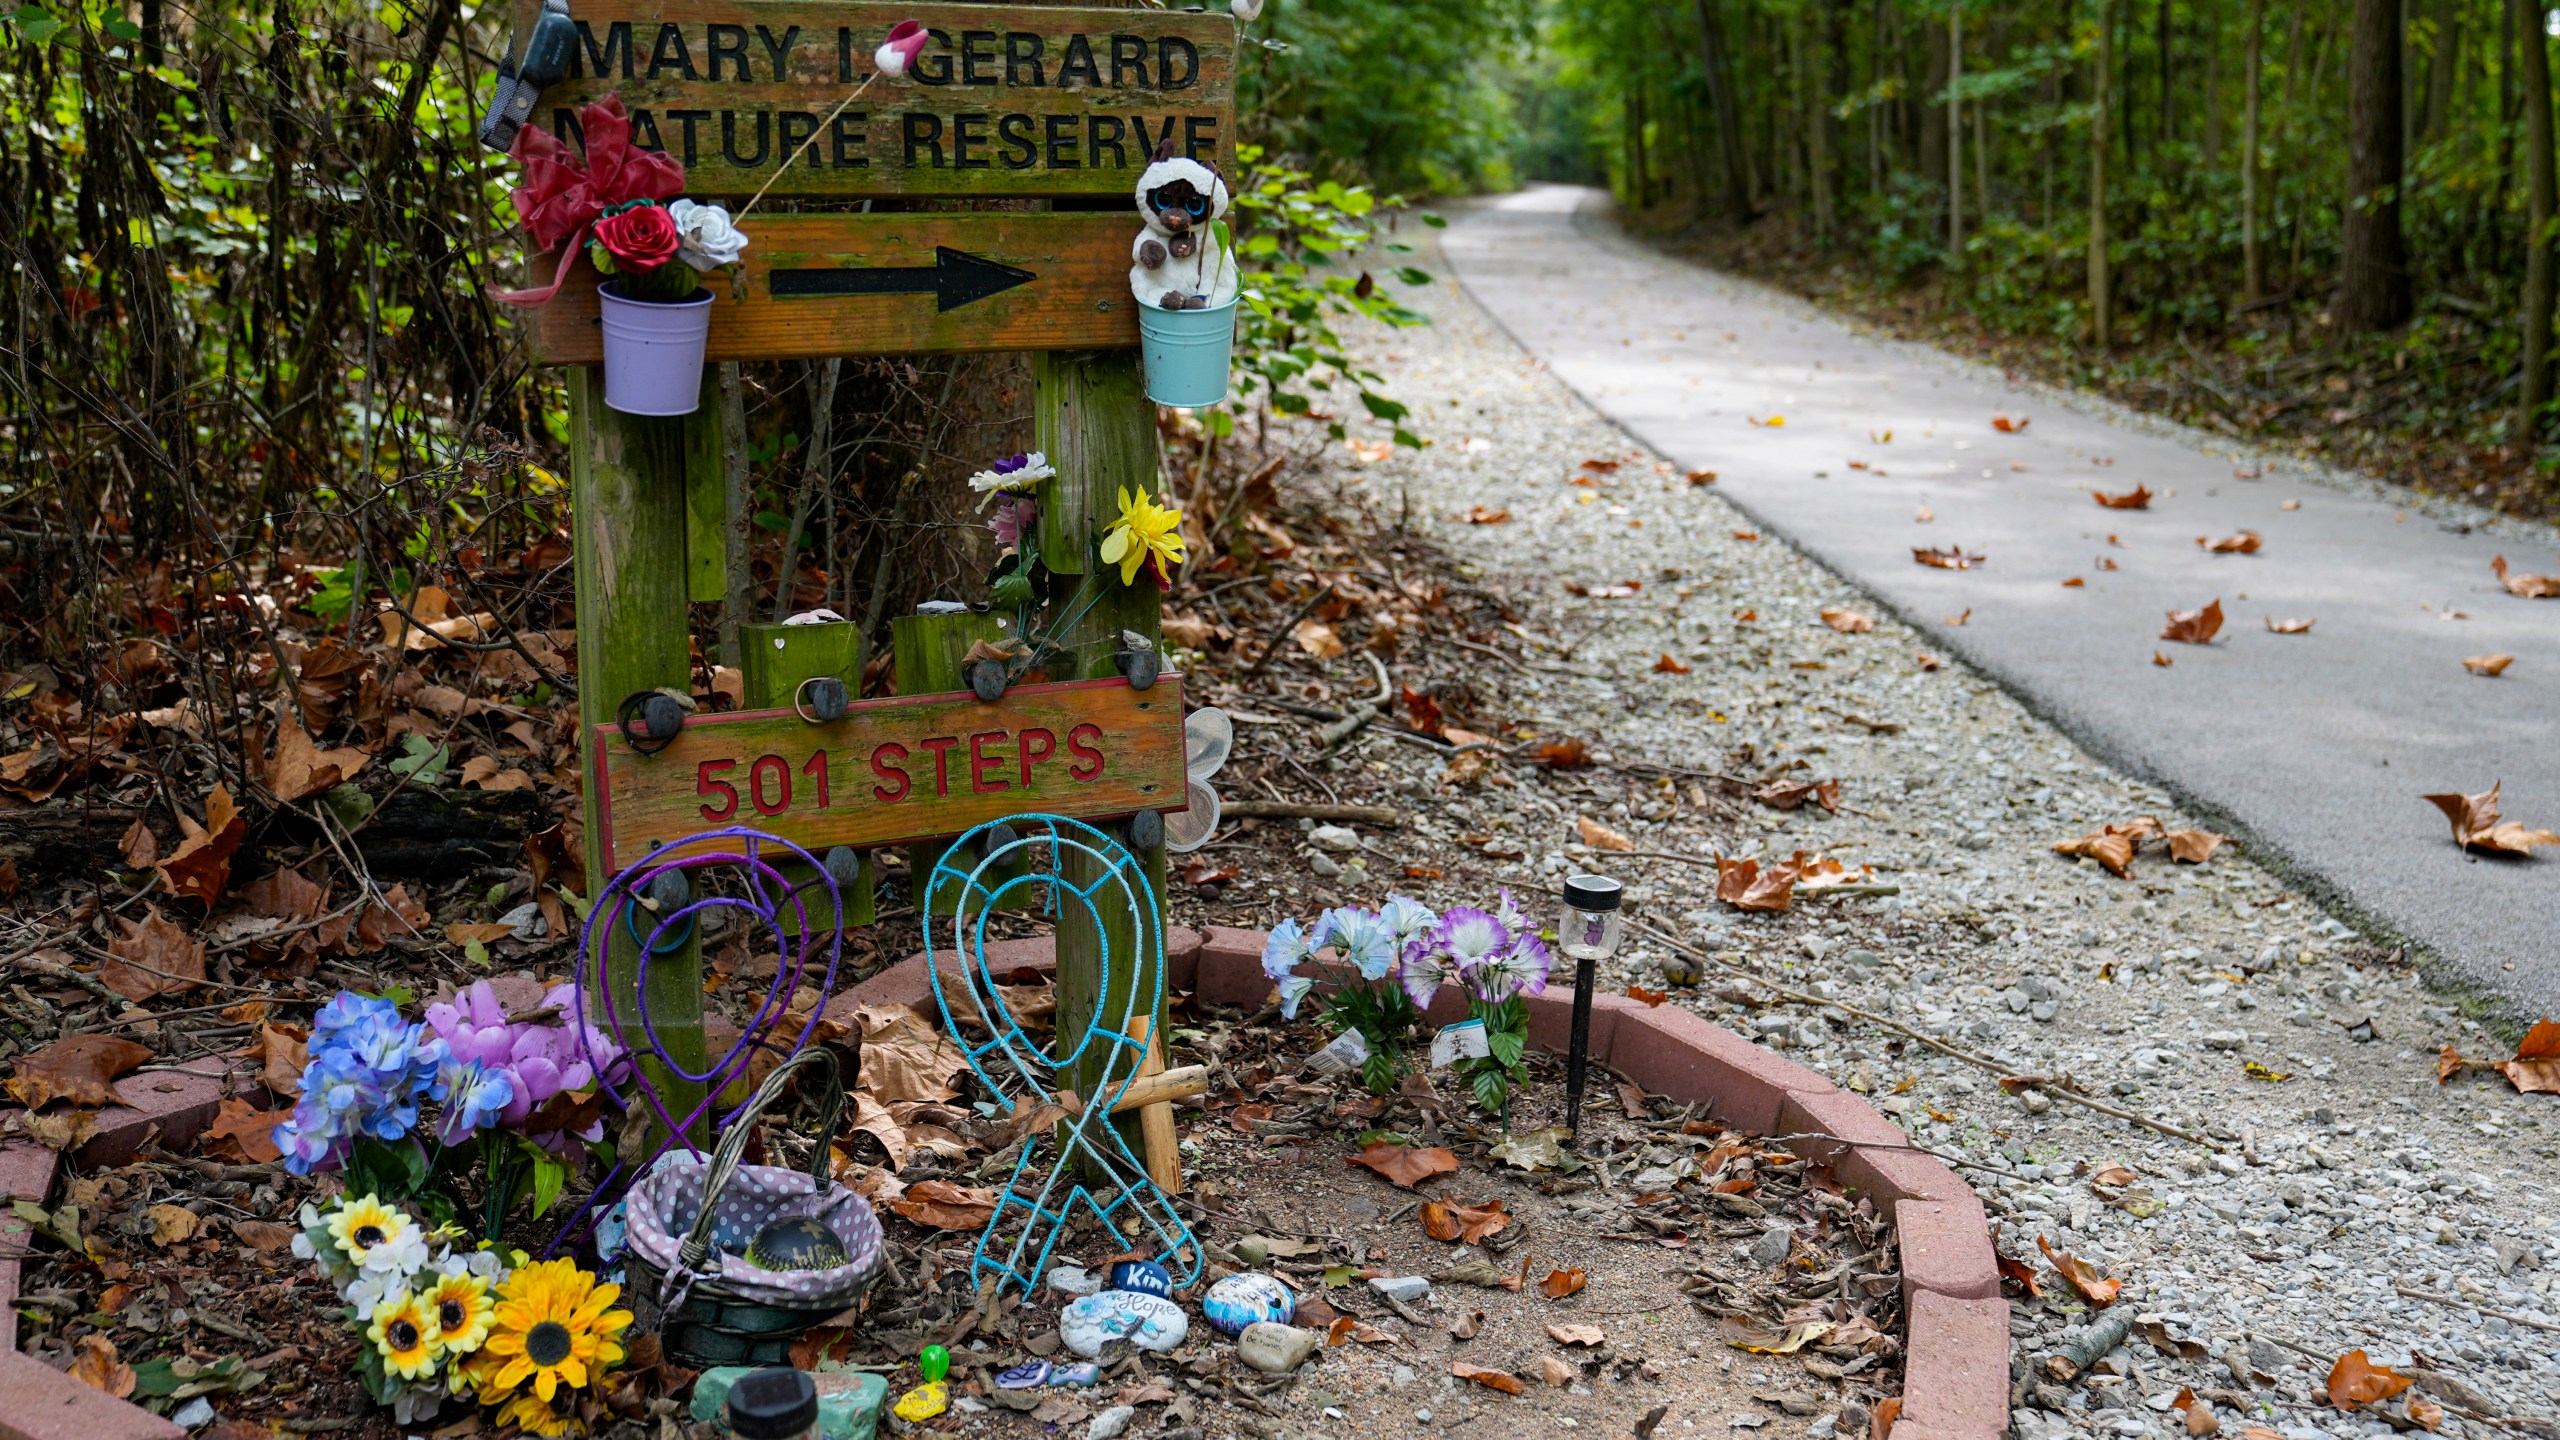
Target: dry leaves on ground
column 243, row 1134
column 2244, row 543
column 904, row 1057
column 2007, row 426
column 2491, row 665
column 2534, row 1071
column 2194, row 627
column 2084, row 1278
column 200, row 868
column 2356, row 1380
column 1949, row 558
column 1560, row 1283
column 1565, row 754
column 1601, row 837
column 2137, row 498
column 945, row 1206
column 1482, row 515
column 1405, row 1165
column 153, row 956
column 1442, row 1220
column 1502, row 1380
column 2476, row 825
column 2288, row 627
column 1790, row 794
column 2115, row 845
column 77, row 1068
column 1651, row 998
column 2531, row 587
column 2199, row 1415
column 281, row 1054
column 1347, row 1328
column 100, row 1368
column 1667, row 665
column 1746, row 886
column 1743, row 1335
column 1577, row 1335
column 302, row 769
column 1317, row 639
column 2014, row 1270
column 1847, row 622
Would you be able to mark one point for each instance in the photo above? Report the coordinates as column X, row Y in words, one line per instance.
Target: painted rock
column 1075, row 1377
column 1073, row 1280
column 1276, row 1349
column 1241, row 1300
column 1024, row 1377
column 1144, row 1321
column 1142, row 1277
column 923, row 1402
column 796, row 1243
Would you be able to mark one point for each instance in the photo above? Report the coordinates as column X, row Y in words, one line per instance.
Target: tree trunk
column 2443, row 68
column 2253, row 260
column 2373, row 268
column 1933, row 117
column 2165, row 40
column 1955, row 136
column 1737, row 174
column 2101, row 301
column 2534, row 76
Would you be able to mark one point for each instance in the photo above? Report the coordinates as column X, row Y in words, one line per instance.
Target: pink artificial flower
column 906, row 41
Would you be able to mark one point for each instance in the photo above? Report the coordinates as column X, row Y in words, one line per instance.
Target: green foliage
column 1492, row 1078
column 1296, row 238
column 1406, row 94
column 1385, row 1017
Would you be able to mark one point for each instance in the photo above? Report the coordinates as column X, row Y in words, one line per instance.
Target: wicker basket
column 711, row 1308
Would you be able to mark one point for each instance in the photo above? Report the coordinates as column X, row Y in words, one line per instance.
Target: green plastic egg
column 796, row 1243
column 934, row 1363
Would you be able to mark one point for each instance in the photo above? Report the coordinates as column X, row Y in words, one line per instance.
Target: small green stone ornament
column 796, row 1242
column 934, row 1363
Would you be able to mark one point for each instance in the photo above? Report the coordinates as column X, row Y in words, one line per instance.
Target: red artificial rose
column 639, row 239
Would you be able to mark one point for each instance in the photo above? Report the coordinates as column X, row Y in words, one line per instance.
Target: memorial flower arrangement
column 517, row 1097
column 1358, row 953
column 1496, row 957
column 1145, row 536
column 623, row 205
column 1012, row 486
column 531, row 1340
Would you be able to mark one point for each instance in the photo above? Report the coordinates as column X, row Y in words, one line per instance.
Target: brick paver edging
column 1956, row 1371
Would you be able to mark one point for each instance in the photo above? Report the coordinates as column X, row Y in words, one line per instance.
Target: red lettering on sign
column 884, row 764
column 1084, row 743
column 703, row 784
column 941, row 745
column 980, row 762
column 1036, row 744
column 781, row 771
column 816, row 770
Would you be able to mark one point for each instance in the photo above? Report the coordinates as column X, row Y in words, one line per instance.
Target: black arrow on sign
column 955, row 278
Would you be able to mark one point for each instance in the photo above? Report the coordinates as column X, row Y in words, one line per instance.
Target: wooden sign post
column 1006, row 102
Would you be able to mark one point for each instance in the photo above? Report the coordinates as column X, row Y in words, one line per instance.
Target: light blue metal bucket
column 1186, row 353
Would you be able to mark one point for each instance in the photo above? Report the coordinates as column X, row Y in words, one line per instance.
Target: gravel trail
column 2211, row 997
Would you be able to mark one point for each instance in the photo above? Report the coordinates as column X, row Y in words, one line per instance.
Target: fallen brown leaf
column 2244, row 543
column 1502, row 1380
column 1566, row 754
column 200, row 867
column 2194, row 627
column 1847, row 622
column 945, row 1206
column 2488, row 664
column 1404, row 1165
column 2193, row 847
column 1601, row 837
column 1743, row 885
column 2534, row 1071
column 2007, row 426
column 1668, row 665
column 77, row 1068
column 281, row 1055
column 1702, row 477
column 301, row 769
column 1481, row 515
column 1560, row 1283
column 1318, row 639
column 1347, row 1328
column 2288, row 627
column 2163, row 661
column 2476, row 825
column 2076, row 582
column 2137, row 498
column 98, row 1367
column 1963, row 619
column 2355, row 1381
column 153, row 956
column 1950, row 558
column 1442, row 1220
column 1577, row 1335
column 1554, row 1372
column 242, row 1133
column 264, row 1236
column 1880, row 1425
column 1649, row 997
column 2083, row 1277
column 2199, row 1415
column 171, row 1224
column 2531, row 587
column 1789, row 794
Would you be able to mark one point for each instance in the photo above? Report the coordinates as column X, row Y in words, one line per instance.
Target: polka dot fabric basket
column 691, row 1281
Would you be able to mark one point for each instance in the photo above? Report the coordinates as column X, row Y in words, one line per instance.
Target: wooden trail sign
column 1004, row 101
column 893, row 771
column 816, row 285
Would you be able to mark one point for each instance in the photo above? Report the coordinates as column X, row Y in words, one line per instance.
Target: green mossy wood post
column 927, row 651
column 773, row 662
column 1094, row 422
column 628, row 487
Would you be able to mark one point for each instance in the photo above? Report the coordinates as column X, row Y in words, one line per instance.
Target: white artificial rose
column 708, row 238
column 1247, row 11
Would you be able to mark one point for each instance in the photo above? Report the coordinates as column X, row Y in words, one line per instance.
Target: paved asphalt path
column 2313, row 748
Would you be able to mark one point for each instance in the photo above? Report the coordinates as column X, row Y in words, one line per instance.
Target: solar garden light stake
column 1589, row 933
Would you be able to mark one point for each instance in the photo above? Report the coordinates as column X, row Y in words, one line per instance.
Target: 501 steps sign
column 1014, row 102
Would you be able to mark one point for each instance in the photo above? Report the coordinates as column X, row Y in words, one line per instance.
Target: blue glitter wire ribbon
column 1037, row 1213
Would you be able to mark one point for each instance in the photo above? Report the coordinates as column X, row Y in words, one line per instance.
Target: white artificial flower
column 1246, row 11
column 1035, row 467
column 484, row 1263
column 707, row 237
column 416, row 1401
column 403, row 1254
column 372, row 1289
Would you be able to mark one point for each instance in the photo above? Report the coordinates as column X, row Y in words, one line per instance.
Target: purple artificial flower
column 535, row 1060
column 1461, row 940
column 1517, row 968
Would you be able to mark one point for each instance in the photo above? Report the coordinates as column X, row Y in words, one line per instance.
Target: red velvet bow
column 561, row 198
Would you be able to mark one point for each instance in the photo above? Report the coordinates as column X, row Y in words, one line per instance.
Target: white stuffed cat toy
column 1181, row 264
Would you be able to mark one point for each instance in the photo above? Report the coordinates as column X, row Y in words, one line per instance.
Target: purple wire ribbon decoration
column 622, row 905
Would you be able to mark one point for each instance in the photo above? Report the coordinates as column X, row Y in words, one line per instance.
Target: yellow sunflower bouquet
column 552, row 1337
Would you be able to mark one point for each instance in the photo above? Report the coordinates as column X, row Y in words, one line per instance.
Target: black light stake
column 1589, row 933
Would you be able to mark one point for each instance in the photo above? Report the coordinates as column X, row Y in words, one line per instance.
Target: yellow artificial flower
column 459, row 1309
column 364, row 1223
column 553, row 1326
column 1145, row 534
column 530, row 1415
column 401, row 1332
